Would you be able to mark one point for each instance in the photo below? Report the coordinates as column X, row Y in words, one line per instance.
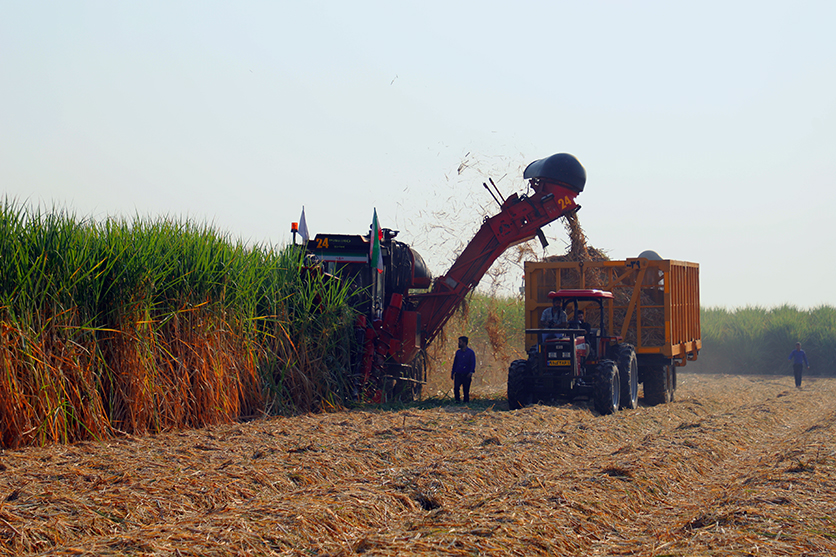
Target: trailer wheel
column 607, row 396
column 628, row 371
column 517, row 395
column 659, row 384
column 672, row 381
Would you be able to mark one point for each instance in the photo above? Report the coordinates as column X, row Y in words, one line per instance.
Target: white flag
column 303, row 227
column 376, row 235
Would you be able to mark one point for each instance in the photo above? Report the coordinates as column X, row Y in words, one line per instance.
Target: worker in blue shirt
column 464, row 366
column 799, row 360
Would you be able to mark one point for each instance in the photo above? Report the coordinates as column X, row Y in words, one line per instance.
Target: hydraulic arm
column 555, row 182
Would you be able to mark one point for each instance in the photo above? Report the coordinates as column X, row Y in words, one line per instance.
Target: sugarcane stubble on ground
column 738, row 465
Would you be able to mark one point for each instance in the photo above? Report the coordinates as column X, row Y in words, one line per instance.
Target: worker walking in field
column 464, row 366
column 799, row 360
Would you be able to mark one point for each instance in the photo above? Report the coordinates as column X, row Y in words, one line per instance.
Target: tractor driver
column 579, row 323
column 554, row 316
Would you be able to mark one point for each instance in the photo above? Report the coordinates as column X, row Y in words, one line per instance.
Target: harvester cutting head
column 561, row 168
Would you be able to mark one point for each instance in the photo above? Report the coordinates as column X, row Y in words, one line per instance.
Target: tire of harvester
column 628, row 371
column 517, row 396
column 659, row 384
column 607, row 394
column 409, row 391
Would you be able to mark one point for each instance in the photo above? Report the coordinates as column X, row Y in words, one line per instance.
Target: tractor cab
column 576, row 358
column 580, row 305
column 572, row 345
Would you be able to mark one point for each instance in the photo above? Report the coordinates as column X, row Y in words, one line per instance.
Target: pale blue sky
column 708, row 129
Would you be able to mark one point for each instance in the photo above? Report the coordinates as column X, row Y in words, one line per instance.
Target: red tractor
column 576, row 358
column 402, row 309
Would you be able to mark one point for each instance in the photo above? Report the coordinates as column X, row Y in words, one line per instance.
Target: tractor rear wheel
column 628, row 371
column 517, row 392
column 607, row 396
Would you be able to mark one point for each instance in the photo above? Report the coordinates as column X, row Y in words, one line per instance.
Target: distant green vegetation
column 152, row 325
column 500, row 316
column 495, row 325
column 759, row 340
column 745, row 340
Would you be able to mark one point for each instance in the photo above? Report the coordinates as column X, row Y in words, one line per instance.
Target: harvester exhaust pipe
column 499, row 200
column 492, row 195
column 496, row 188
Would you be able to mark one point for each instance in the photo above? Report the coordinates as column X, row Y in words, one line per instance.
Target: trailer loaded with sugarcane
column 401, row 308
column 642, row 320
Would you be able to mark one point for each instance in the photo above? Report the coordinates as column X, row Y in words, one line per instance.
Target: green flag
column 375, row 257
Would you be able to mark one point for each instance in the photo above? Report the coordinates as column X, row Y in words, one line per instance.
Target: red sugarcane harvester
column 402, row 309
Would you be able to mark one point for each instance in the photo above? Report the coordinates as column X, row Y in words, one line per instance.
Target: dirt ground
column 738, row 465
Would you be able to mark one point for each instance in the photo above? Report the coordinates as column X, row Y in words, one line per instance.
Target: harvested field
column 739, row 465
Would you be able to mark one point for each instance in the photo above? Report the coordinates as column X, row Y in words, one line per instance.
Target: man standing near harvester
column 464, row 366
column 799, row 360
